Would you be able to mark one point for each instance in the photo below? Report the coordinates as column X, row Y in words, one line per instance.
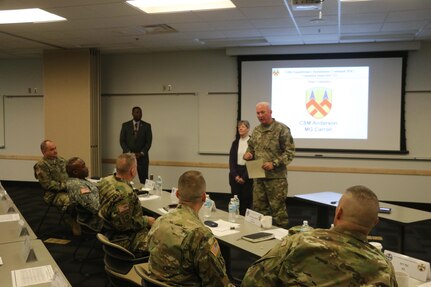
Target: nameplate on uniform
column 253, row 217
column 416, row 268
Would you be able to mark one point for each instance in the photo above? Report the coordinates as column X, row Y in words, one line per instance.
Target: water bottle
column 232, row 210
column 305, row 226
column 207, row 206
column 159, row 184
column 236, row 200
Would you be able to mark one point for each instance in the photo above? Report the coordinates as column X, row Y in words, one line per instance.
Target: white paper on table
column 224, row 228
column 32, row 276
column 255, row 169
column 148, row 197
column 9, row 217
column 279, row 233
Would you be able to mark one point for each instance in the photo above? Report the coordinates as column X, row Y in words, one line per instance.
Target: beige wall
column 66, row 81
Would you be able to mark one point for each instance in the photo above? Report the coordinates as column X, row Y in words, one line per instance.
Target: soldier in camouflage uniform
column 50, row 171
column 83, row 194
column 183, row 251
column 340, row 256
column 121, row 209
column 272, row 142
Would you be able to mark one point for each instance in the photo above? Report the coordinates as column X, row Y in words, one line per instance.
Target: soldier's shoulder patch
column 84, row 190
column 123, row 207
column 215, row 248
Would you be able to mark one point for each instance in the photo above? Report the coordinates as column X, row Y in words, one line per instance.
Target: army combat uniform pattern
column 52, row 176
column 184, row 252
column 121, row 208
column 272, row 143
column 322, row 257
column 85, row 195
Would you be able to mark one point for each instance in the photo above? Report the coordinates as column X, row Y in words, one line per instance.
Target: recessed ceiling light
column 31, row 15
column 167, row 6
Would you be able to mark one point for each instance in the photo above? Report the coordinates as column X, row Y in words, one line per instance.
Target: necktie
column 135, row 130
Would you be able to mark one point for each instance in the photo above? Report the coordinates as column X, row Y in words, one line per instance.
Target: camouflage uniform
column 272, row 143
column 52, row 176
column 183, row 252
column 322, row 257
column 85, row 195
column 120, row 206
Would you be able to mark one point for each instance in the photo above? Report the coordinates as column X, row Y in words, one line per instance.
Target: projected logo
column 318, row 102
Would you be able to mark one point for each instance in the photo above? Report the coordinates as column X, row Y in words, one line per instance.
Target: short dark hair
column 191, row 186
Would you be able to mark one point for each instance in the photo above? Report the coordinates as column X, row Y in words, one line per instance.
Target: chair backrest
column 118, row 258
column 89, row 223
column 147, row 281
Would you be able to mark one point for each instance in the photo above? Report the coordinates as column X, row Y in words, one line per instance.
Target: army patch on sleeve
column 124, row 207
column 84, row 190
column 215, row 248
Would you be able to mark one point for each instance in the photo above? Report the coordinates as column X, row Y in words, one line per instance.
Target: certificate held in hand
column 255, row 169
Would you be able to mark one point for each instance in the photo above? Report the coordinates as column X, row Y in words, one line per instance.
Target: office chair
column 88, row 234
column 60, row 212
column 147, row 281
column 119, row 263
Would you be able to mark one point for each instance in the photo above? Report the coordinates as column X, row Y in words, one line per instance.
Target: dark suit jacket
column 140, row 143
column 234, row 171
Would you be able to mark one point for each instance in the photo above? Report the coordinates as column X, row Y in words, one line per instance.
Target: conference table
column 13, row 225
column 253, row 251
column 400, row 215
column 12, row 255
column 154, row 206
column 21, row 251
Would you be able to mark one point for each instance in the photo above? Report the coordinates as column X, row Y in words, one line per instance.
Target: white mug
column 402, row 279
column 266, row 221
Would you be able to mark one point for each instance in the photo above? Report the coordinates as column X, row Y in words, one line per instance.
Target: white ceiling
column 115, row 27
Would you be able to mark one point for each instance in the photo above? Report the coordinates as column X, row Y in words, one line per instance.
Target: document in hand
column 255, row 169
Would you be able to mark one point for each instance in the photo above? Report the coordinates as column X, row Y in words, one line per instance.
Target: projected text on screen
column 322, row 102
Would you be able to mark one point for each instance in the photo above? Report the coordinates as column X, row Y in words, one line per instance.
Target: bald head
column 358, row 208
column 264, row 113
column 191, row 186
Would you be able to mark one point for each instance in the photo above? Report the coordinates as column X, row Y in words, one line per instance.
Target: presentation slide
column 322, row 102
column 349, row 103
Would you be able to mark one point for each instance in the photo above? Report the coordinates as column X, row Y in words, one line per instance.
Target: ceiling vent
column 158, row 29
column 306, row 5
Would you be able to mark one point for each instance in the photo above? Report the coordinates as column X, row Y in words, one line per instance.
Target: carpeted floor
column 28, row 198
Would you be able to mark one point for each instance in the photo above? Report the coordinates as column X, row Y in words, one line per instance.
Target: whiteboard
column 24, row 124
column 217, row 122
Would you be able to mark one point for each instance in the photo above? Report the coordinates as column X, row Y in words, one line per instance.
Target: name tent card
column 253, row 217
column 149, row 184
column 416, row 268
column 28, row 251
column 22, row 228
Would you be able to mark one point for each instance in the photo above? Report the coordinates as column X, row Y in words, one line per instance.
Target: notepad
column 258, row 237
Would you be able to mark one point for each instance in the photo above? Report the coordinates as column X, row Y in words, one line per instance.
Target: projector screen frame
column 403, row 55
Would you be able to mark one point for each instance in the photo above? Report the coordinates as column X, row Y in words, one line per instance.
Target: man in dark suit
column 136, row 137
